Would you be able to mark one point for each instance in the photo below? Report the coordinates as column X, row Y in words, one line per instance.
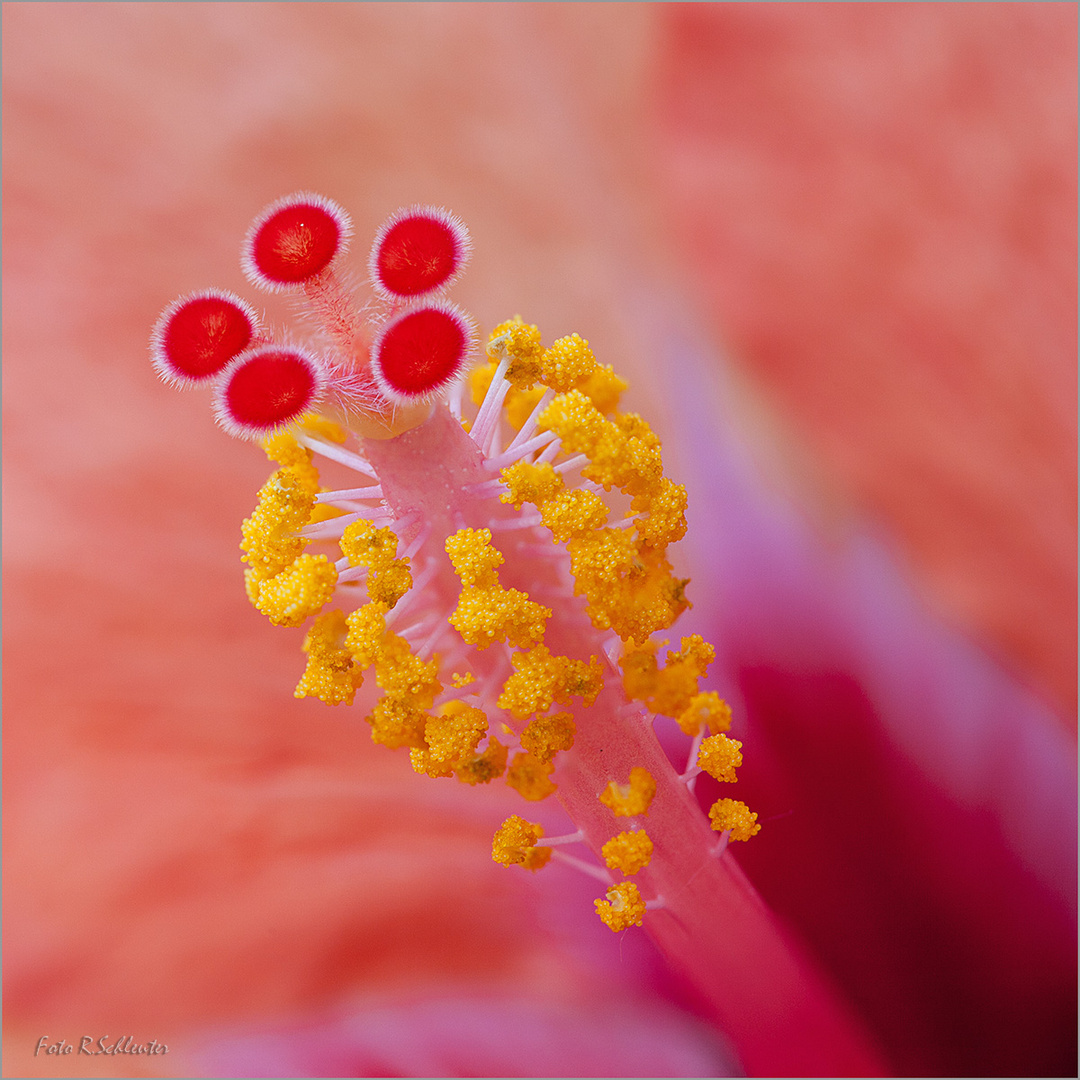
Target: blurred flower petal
column 477, row 1036
column 925, row 802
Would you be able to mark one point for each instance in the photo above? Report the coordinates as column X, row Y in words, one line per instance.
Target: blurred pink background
column 868, row 211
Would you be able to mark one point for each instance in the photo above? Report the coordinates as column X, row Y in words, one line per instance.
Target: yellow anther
column 529, row 483
column 628, row 852
column 636, row 468
column 623, row 453
column 285, row 503
column 288, row 453
column 540, row 679
column 404, row 676
column 640, row 672
column 633, row 425
column 486, row 612
column 389, row 577
column 665, row 520
column 734, row 815
column 390, row 585
column 365, row 545
column 628, row 588
column 601, row 558
column 515, row 844
column 720, row 756
column 474, row 559
column 604, row 388
column 626, row 579
column 297, row 592
column 483, row 616
column 707, row 708
column 330, row 675
column 422, row 763
column 574, row 513
column 581, row 680
column 396, row 723
column 696, row 651
column 530, row 778
column 640, row 608
column 568, row 364
column 655, row 606
column 450, row 739
column 632, row 798
column 623, row 907
column 630, row 461
column 608, row 457
column 485, row 767
column 576, row 420
column 460, row 679
column 252, row 580
column 364, row 639
column 521, row 342
column 672, row 689
column 545, row 736
column 455, row 735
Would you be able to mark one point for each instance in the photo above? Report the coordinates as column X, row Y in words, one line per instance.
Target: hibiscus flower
column 196, row 858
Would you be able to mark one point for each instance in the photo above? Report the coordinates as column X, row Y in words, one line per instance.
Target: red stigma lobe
column 295, row 242
column 268, row 387
column 420, row 351
column 199, row 335
column 417, row 251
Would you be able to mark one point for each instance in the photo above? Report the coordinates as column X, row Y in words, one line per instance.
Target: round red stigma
column 199, row 334
column 417, row 250
column 420, row 351
column 266, row 387
column 294, row 239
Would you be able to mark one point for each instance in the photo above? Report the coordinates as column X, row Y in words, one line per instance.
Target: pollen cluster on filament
column 479, row 557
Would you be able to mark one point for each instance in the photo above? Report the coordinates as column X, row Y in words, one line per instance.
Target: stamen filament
column 530, row 424
column 510, row 456
column 410, row 599
column 488, row 416
column 550, row 453
column 589, row 868
column 372, row 491
column 336, row 453
column 573, row 464
column 454, row 395
column 348, row 572
column 525, row 521
column 570, row 838
column 417, row 542
column 332, row 528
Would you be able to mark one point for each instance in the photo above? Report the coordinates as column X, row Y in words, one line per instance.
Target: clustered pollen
column 486, row 612
column 480, row 558
column 632, row 798
column 515, row 844
column 628, row 852
column 734, row 816
column 622, row 907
